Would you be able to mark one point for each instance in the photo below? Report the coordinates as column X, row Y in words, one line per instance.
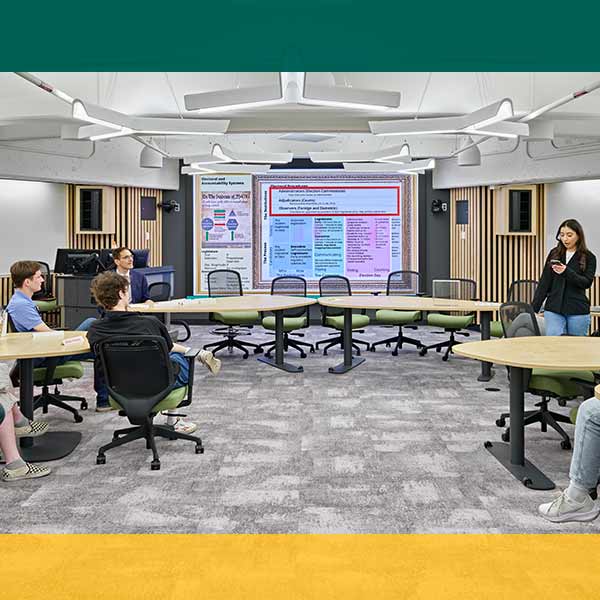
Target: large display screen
column 358, row 226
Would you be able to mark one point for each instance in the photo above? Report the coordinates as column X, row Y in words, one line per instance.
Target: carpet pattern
column 393, row 446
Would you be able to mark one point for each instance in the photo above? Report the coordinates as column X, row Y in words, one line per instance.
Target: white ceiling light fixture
column 228, row 155
column 488, row 120
column 470, row 155
column 292, row 88
column 150, row 159
column 396, row 154
column 225, row 168
column 107, row 124
column 414, row 167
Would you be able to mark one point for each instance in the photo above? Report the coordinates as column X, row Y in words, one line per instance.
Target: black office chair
column 141, row 383
column 400, row 283
column 454, row 289
column 293, row 319
column 518, row 320
column 45, row 299
column 160, row 291
column 225, row 283
column 337, row 285
column 521, row 290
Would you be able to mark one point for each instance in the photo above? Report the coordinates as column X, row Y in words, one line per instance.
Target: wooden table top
column 225, row 304
column 543, row 352
column 597, row 392
column 40, row 345
column 407, row 303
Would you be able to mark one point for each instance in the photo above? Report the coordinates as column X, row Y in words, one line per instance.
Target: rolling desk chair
column 518, row 319
column 337, row 285
column 223, row 283
column 45, row 299
column 521, row 290
column 160, row 291
column 141, row 383
column 293, row 319
column 454, row 289
column 400, row 283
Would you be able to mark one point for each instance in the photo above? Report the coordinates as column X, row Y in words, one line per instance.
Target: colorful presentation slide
column 344, row 229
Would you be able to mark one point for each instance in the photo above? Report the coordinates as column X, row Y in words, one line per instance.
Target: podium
column 75, row 299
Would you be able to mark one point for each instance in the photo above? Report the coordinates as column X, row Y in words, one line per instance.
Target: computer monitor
column 140, row 258
column 74, row 261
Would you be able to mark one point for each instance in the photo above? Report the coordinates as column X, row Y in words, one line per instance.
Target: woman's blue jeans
column 557, row 324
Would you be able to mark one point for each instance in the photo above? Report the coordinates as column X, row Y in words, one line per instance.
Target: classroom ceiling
column 162, row 94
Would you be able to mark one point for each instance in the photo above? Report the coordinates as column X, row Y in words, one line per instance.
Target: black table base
column 344, row 368
column 278, row 361
column 51, row 446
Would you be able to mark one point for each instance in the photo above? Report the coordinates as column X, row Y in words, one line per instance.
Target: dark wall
column 434, row 233
column 178, row 235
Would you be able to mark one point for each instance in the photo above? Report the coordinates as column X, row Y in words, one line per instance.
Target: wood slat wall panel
column 494, row 261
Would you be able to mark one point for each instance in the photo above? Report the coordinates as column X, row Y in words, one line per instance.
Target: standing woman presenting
column 569, row 271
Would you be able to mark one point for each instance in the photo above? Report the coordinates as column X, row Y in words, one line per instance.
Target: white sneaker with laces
column 209, row 361
column 563, row 509
column 182, row 426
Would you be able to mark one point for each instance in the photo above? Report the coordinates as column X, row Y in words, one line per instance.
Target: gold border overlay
column 316, row 566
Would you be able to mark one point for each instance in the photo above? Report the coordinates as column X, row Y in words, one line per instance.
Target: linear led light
column 347, row 97
column 482, row 119
column 226, row 168
column 235, row 99
column 399, row 154
column 413, row 167
column 227, row 155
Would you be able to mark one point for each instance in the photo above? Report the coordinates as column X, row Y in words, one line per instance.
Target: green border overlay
column 324, row 35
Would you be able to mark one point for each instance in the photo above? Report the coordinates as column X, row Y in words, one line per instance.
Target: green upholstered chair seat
column 289, row 323
column 238, row 317
column 46, row 305
column 397, row 317
column 558, row 382
column 72, row 369
column 358, row 322
column 173, row 400
column 496, row 329
column 449, row 321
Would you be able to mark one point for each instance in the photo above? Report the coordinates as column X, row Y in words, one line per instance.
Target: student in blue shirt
column 27, row 279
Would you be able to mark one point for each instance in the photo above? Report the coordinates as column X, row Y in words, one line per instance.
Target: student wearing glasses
column 138, row 284
column 569, row 271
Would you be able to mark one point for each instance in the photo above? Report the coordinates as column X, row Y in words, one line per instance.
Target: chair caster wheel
column 324, row 352
column 78, row 418
column 372, row 349
column 84, row 405
column 445, row 358
column 422, row 351
column 526, row 481
column 388, row 345
column 438, row 349
column 303, row 355
column 199, row 449
column 565, row 445
column 506, row 436
column 394, row 352
column 245, row 356
column 100, row 459
column 312, row 350
column 258, row 350
column 487, row 444
column 155, row 465
column 501, row 422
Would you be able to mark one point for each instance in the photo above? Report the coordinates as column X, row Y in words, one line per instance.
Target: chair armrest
column 192, row 353
column 375, row 293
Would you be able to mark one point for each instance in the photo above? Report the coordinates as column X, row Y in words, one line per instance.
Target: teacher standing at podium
column 569, row 271
column 138, row 284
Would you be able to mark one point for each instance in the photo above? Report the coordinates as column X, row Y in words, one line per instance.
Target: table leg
column 486, row 367
column 279, row 349
column 54, row 444
column 512, row 456
column 349, row 361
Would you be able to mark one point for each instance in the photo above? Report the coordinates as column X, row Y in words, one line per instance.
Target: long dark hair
column 560, row 251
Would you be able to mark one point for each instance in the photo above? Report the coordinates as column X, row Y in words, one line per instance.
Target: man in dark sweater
column 111, row 293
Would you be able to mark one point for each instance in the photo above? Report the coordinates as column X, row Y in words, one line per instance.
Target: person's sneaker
column 563, row 509
column 209, row 361
column 32, row 429
column 104, row 408
column 182, row 426
column 29, row 471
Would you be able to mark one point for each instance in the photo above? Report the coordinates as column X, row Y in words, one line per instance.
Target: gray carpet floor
column 394, row 446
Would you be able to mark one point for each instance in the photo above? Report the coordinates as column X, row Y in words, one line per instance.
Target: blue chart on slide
column 351, row 230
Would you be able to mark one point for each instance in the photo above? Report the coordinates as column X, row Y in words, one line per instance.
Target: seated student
column 27, row 279
column 110, row 291
column 12, row 425
column 575, row 503
column 138, row 284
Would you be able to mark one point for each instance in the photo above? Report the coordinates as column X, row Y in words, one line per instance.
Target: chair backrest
column 522, row 290
column 518, row 320
column 454, row 289
column 290, row 285
column 46, row 291
column 138, row 372
column 403, row 282
column 159, row 291
column 224, row 282
column 334, row 285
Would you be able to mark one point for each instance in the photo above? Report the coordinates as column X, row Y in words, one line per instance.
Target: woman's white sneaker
column 209, row 361
column 563, row 509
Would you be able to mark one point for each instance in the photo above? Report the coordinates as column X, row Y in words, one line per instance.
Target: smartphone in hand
column 555, row 262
